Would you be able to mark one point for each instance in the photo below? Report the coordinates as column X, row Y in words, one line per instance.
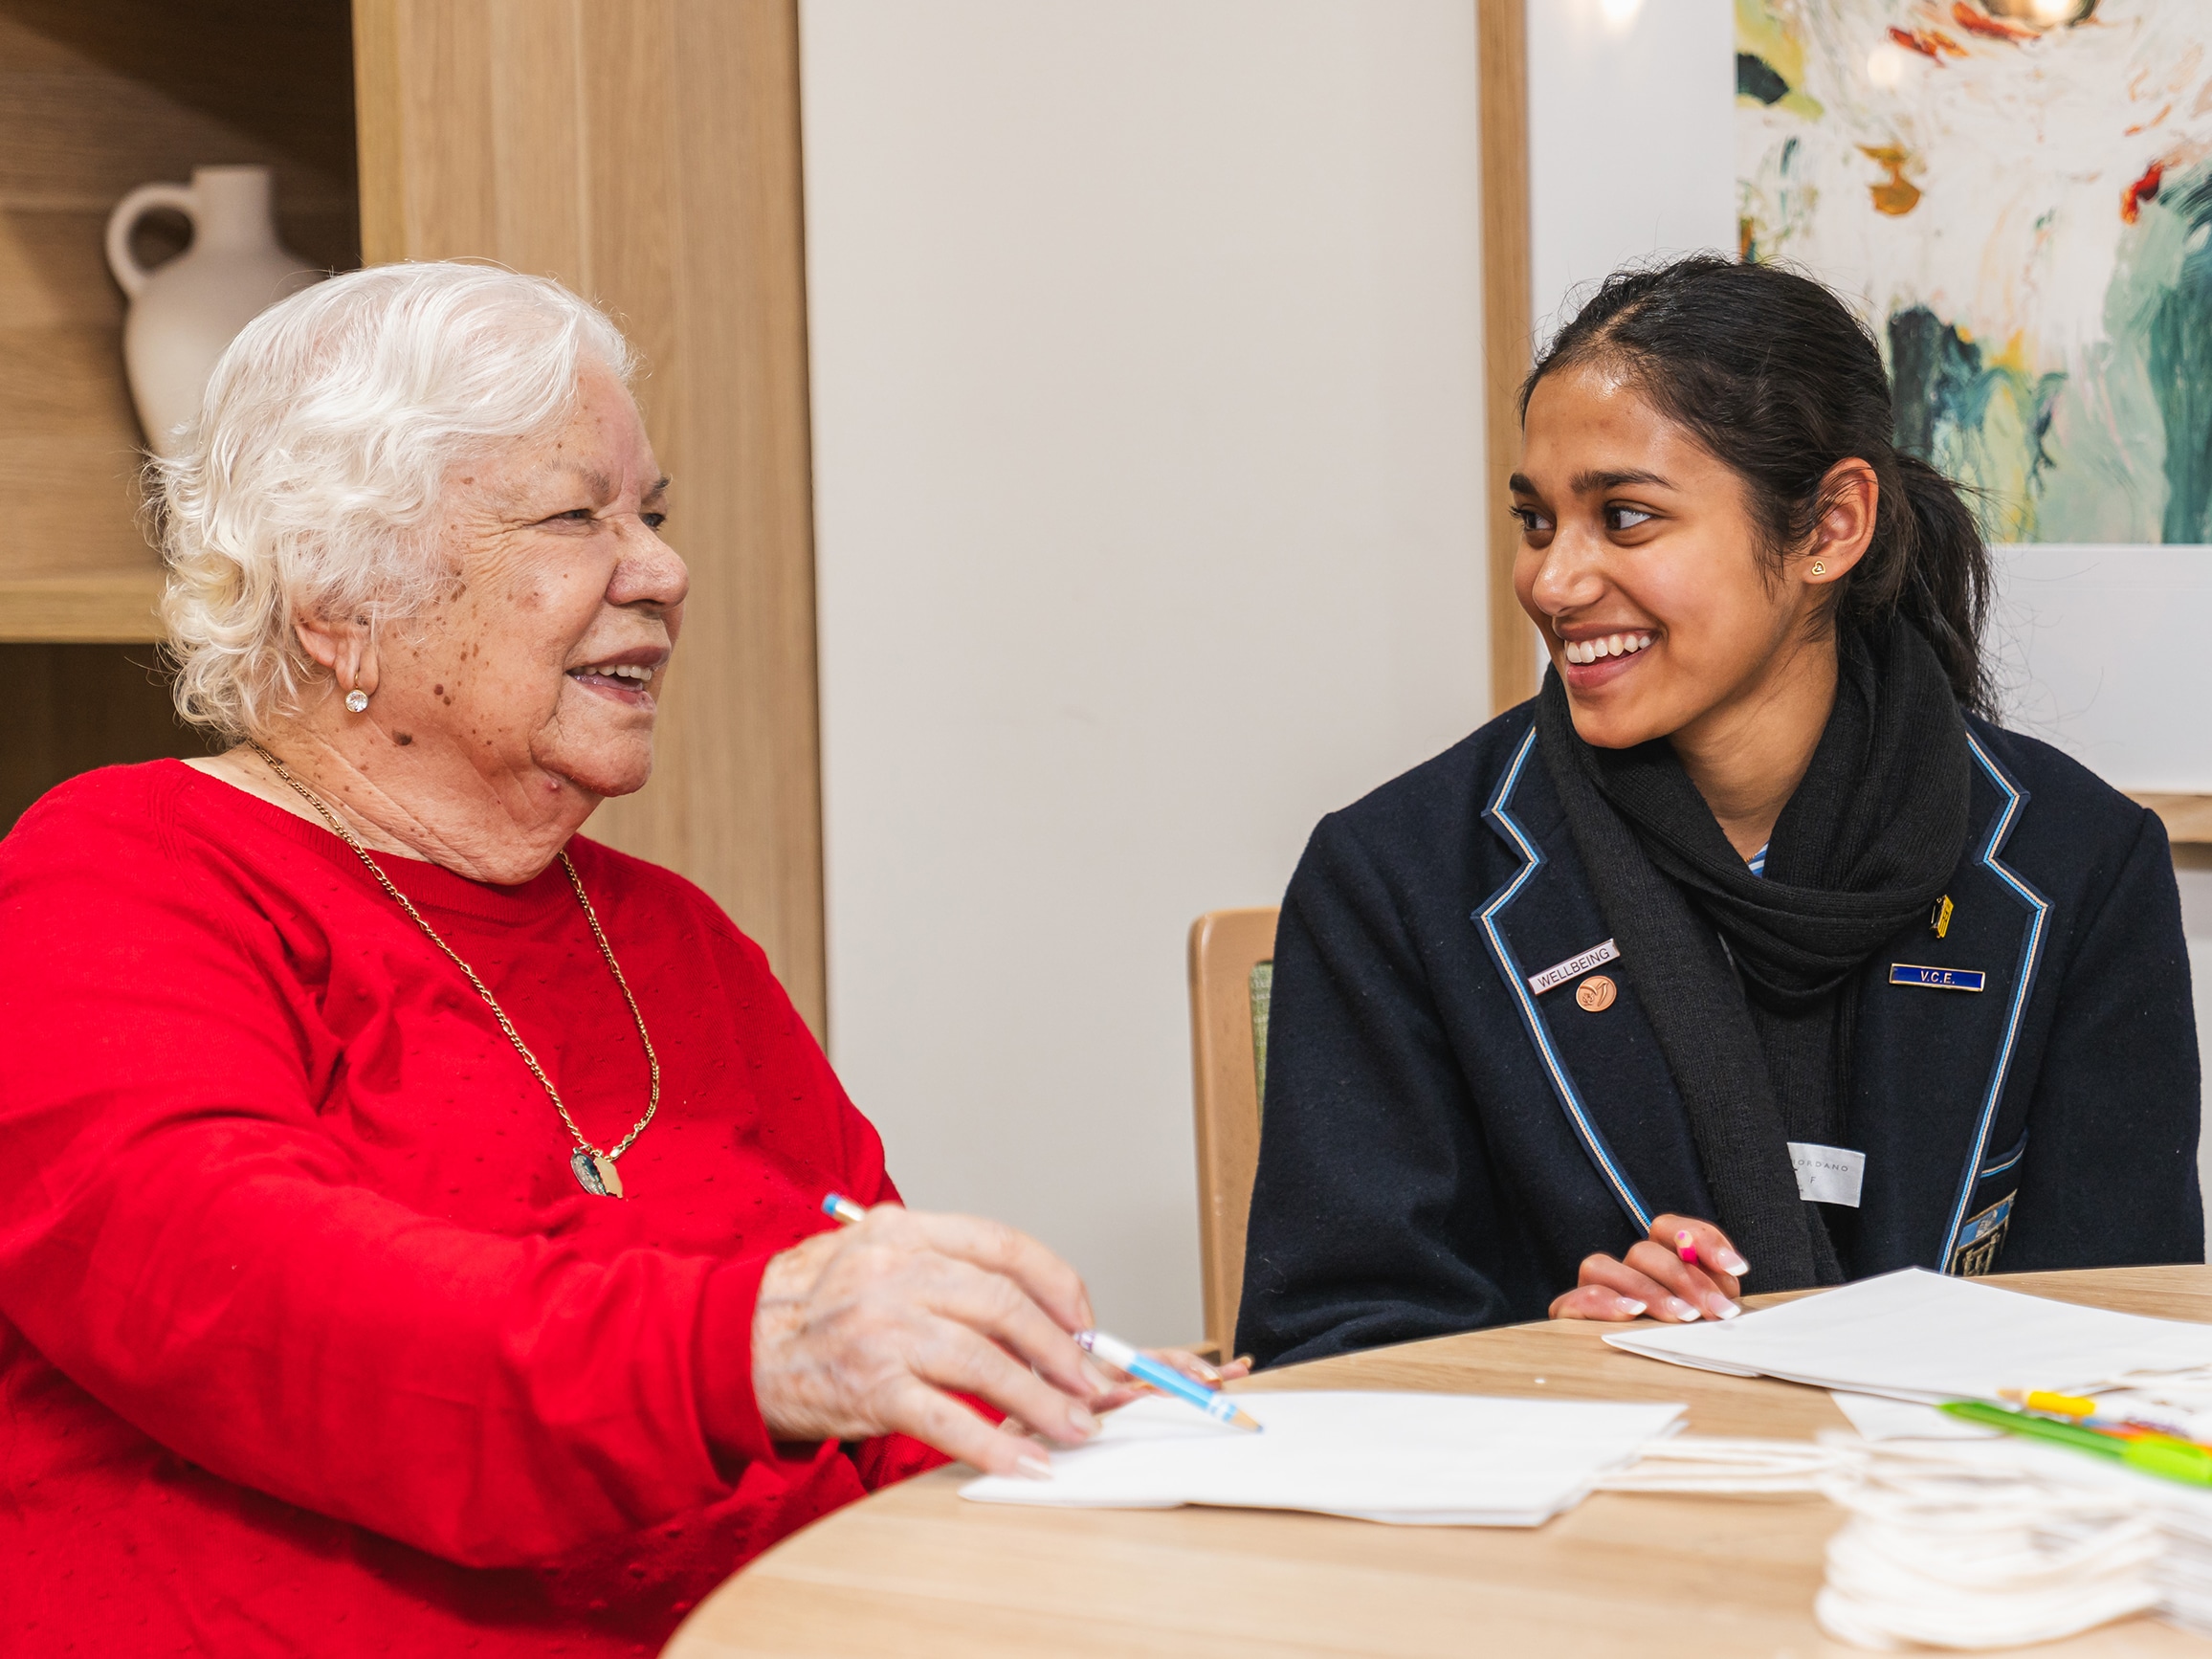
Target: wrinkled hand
column 870, row 1330
column 1656, row 1280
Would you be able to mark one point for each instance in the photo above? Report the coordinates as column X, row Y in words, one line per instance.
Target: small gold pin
column 1596, row 994
column 1939, row 918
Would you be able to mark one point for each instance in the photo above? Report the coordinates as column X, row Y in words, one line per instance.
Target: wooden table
column 916, row 1571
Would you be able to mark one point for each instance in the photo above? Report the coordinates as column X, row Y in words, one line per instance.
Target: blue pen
column 1112, row 1349
column 1165, row 1378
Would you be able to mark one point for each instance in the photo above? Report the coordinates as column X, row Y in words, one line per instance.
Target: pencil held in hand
column 1165, row 1378
column 1112, row 1349
column 843, row 1210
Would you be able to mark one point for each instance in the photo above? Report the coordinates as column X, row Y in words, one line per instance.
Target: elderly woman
column 410, row 1222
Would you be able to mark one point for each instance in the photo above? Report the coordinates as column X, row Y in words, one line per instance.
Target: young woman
column 1751, row 925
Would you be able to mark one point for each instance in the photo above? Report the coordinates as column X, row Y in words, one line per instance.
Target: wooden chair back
column 1231, row 973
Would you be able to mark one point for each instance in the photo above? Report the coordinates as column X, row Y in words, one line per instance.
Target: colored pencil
column 2151, row 1454
column 843, row 1210
column 1125, row 1358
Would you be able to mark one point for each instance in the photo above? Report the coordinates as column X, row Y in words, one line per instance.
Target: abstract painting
column 2020, row 194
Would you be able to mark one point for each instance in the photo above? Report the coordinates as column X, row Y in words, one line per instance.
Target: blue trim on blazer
column 2030, row 959
column 2007, row 1162
column 1563, row 1085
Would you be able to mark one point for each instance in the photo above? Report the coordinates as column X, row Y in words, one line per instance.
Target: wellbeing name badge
column 1574, row 967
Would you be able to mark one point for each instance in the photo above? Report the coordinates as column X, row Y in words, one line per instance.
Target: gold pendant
column 595, row 1173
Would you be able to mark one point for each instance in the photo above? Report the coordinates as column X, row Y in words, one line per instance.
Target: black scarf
column 1750, row 982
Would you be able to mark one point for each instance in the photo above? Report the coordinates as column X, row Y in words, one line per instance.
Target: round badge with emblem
column 1596, row 994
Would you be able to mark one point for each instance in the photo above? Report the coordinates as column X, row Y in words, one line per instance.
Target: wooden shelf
column 94, row 607
column 96, row 95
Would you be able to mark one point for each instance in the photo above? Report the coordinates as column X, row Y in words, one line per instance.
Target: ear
column 1852, row 497
column 346, row 648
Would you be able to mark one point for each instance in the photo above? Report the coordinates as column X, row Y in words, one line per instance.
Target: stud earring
column 357, row 700
column 1819, row 570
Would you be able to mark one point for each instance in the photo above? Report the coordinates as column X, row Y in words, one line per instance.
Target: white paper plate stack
column 1983, row 1545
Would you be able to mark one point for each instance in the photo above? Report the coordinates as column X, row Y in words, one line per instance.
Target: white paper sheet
column 1926, row 1337
column 1876, row 1417
column 1407, row 1459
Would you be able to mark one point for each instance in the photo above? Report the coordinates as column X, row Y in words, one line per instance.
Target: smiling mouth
column 627, row 682
column 1589, row 651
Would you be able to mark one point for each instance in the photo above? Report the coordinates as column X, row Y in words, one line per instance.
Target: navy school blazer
column 1443, row 1142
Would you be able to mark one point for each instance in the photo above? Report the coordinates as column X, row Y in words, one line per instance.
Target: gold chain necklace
column 594, row 1169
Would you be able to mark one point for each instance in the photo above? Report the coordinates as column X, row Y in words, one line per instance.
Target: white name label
column 1828, row 1174
column 1574, row 967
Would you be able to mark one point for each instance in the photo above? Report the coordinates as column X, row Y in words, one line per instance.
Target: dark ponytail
column 1774, row 375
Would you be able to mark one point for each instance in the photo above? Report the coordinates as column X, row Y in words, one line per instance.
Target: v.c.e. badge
column 1937, row 978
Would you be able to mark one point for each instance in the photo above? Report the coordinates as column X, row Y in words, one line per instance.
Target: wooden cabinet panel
column 1507, row 329
column 74, row 707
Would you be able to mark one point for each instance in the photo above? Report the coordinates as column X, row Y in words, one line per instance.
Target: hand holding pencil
column 880, row 1326
column 883, row 1327
column 1151, row 1371
column 1685, row 1269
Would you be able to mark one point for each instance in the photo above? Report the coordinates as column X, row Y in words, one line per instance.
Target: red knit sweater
column 309, row 1341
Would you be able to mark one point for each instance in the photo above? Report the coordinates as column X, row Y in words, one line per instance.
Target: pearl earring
column 357, row 700
column 1819, row 570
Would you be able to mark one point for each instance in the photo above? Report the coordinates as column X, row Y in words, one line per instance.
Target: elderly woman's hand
column 870, row 1330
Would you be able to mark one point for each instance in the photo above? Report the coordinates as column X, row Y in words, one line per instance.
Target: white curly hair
column 311, row 482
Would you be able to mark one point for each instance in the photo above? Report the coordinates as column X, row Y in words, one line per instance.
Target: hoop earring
column 1819, row 570
column 357, row 700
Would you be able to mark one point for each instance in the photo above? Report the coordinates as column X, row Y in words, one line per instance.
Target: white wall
column 2097, row 650
column 2196, row 882
column 1631, row 139
column 1146, row 403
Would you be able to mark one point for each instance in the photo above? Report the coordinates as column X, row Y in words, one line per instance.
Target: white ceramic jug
column 184, row 312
